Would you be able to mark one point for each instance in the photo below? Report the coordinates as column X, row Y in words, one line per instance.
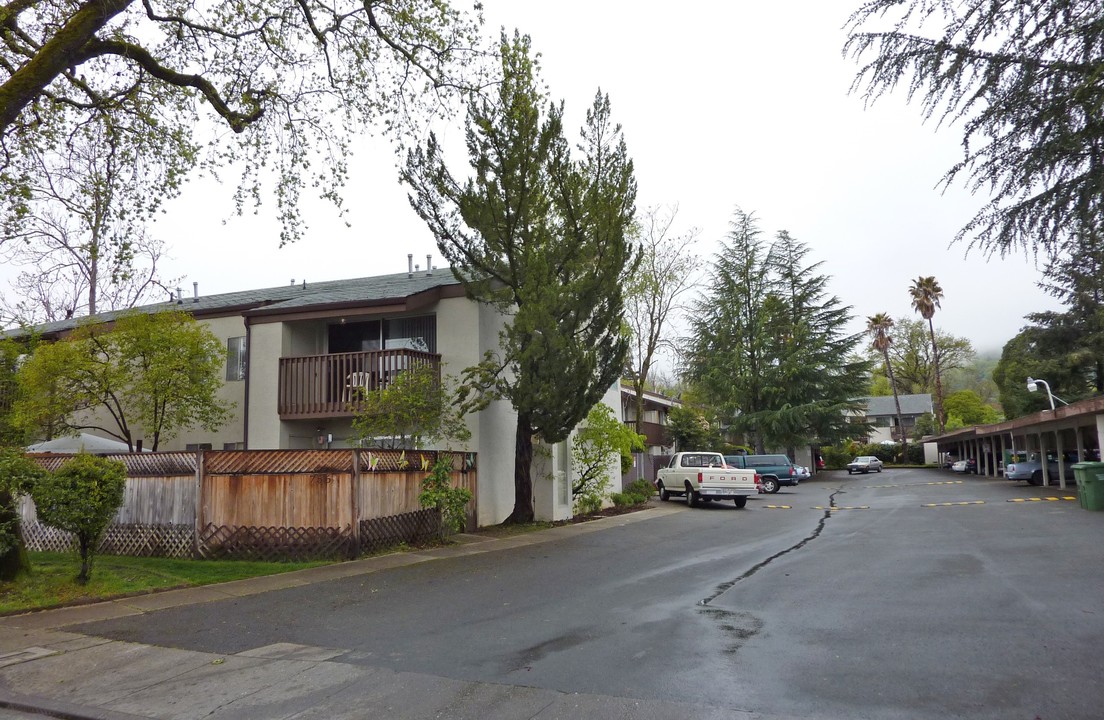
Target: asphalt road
column 886, row 607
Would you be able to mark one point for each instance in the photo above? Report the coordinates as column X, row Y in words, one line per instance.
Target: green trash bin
column 1090, row 484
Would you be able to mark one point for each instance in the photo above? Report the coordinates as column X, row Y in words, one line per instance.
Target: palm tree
column 878, row 327
column 926, row 294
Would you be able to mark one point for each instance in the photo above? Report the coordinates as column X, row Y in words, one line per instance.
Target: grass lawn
column 51, row 582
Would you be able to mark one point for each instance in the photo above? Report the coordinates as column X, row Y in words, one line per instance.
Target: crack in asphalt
column 724, row 587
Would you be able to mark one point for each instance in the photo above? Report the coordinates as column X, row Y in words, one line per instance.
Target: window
column 233, row 446
column 192, row 447
column 235, row 358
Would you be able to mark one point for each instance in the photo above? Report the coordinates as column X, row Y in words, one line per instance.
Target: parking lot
column 901, row 594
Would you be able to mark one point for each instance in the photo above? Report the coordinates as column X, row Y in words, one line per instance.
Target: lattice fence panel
column 173, row 541
column 272, row 544
column 45, row 538
column 414, row 527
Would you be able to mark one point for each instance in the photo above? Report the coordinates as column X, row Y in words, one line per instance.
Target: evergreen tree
column 768, row 350
column 540, row 236
column 1026, row 79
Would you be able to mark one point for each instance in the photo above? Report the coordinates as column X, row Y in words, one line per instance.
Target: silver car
column 864, row 464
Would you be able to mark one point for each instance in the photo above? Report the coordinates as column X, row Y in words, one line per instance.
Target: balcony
column 654, row 433
column 314, row 387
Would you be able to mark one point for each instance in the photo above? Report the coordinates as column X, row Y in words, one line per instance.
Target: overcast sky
column 723, row 105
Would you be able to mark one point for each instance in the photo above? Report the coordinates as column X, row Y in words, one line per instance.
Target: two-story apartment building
column 297, row 355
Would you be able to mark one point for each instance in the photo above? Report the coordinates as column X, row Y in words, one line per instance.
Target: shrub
column 438, row 492
column 17, row 476
column 836, row 457
column 623, row 499
column 641, row 488
column 81, row 497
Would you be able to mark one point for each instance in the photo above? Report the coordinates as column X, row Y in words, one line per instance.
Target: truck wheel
column 691, row 496
column 770, row 485
column 663, row 494
column 1036, row 478
column 740, row 501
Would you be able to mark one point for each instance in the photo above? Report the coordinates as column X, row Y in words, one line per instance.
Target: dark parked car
column 774, row 470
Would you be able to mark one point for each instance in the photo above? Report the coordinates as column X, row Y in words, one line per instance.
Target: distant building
column 881, row 413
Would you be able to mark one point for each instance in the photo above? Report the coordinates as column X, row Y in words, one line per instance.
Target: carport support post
column 1061, row 458
column 1043, row 464
column 1100, row 434
column 1000, row 457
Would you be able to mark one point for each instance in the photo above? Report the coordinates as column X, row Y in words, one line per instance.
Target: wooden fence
column 266, row 504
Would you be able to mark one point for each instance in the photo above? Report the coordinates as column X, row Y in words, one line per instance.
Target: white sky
column 723, row 104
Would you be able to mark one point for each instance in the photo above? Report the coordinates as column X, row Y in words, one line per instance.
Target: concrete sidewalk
column 45, row 670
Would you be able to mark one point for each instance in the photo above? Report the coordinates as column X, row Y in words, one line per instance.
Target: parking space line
column 952, row 504
column 1042, row 499
column 941, row 482
column 842, row 507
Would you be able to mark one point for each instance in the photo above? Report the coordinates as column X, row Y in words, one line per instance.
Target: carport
column 1076, row 427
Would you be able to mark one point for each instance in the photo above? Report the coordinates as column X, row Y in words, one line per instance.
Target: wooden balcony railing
column 654, row 433
column 326, row 386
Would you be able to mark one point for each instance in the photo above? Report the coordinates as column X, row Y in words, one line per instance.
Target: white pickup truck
column 704, row 476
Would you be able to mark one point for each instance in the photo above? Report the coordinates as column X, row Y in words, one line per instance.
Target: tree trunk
column 897, row 402
column 523, row 466
column 86, row 561
column 939, row 423
column 15, row 561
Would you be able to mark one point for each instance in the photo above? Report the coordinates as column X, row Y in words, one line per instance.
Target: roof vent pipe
column 410, row 264
column 179, row 295
column 195, row 291
column 429, row 267
column 293, row 282
column 304, row 283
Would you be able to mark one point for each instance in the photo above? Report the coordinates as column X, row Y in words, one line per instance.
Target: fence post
column 198, row 503
column 356, row 502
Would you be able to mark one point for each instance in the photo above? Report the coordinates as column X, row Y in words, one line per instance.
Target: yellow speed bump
column 952, row 504
column 777, row 507
column 1043, row 499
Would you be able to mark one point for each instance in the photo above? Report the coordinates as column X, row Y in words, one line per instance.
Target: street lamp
column 1033, row 386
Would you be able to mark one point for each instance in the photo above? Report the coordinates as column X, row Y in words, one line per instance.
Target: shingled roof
column 910, row 405
column 365, row 291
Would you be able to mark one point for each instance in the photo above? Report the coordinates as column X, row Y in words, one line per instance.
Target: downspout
column 248, row 362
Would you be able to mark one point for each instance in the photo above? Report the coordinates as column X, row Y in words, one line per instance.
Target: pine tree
column 542, row 237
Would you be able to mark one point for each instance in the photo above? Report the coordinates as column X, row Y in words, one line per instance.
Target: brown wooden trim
column 329, row 311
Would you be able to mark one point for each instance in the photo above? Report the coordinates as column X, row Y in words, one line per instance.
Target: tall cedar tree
column 1026, row 80
column 1078, row 282
column 768, row 352
column 544, row 237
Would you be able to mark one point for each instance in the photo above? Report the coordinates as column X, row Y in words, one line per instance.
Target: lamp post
column 1033, row 386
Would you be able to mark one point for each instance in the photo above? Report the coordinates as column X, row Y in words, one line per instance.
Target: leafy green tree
column 969, row 408
column 689, row 429
column 926, row 294
column 767, row 349
column 879, row 327
column 416, row 407
column 925, row 425
column 911, row 355
column 156, row 373
column 17, row 477
column 544, row 238
column 10, row 353
column 81, row 497
column 600, row 439
column 1026, row 80
column 1039, row 353
column 292, row 81
column 666, row 273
